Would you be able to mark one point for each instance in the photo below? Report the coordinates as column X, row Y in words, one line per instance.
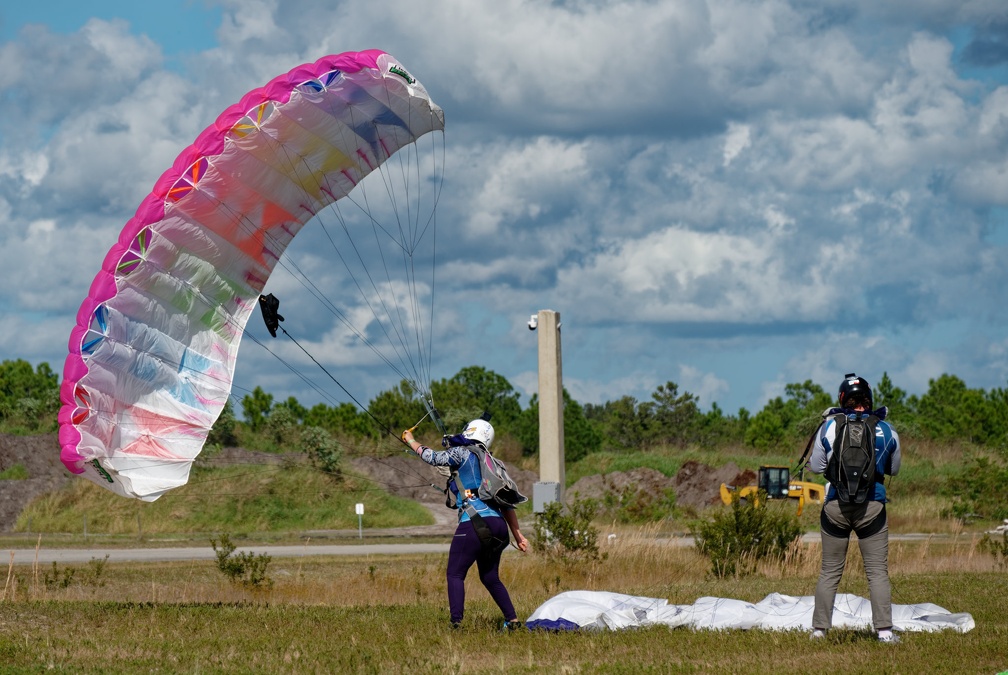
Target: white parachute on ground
column 602, row 610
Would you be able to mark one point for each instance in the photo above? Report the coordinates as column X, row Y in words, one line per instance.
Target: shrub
column 978, row 489
column 568, row 536
column 323, row 450
column 64, row 578
column 222, row 433
column 737, row 539
column 246, row 568
column 997, row 548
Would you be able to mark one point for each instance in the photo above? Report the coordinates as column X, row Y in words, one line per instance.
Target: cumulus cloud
column 689, row 183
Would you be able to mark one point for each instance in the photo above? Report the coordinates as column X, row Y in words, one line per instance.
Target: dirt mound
column 619, row 482
column 39, row 455
column 696, row 485
column 699, row 485
column 747, row 477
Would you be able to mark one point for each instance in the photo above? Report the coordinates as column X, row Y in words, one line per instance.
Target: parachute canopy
column 152, row 356
column 602, row 610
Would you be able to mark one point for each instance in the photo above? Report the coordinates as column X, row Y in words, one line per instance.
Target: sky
column 726, row 194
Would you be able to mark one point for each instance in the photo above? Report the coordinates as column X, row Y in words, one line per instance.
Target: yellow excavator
column 776, row 482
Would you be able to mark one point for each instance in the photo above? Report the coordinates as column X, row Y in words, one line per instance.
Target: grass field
column 376, row 614
column 389, row 614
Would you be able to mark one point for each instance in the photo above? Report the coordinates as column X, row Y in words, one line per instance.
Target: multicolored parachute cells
column 153, row 353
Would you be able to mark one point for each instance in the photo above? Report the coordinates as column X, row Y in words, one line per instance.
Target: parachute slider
column 269, row 304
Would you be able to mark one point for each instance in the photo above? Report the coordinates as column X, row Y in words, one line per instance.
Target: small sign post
column 360, row 521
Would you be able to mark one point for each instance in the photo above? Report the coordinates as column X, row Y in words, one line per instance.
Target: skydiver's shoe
column 888, row 637
column 456, row 625
column 510, row 626
column 818, row 634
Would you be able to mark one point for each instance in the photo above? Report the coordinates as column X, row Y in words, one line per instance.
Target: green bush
column 323, row 450
column 246, row 568
column 978, row 490
column 567, row 536
column 64, row 578
column 737, row 539
column 222, row 433
column 996, row 547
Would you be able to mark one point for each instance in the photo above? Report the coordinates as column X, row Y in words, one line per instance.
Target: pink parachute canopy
column 153, row 353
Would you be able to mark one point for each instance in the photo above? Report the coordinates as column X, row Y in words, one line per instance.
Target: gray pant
column 874, row 552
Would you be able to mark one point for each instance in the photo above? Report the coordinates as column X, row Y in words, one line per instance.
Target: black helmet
column 852, row 389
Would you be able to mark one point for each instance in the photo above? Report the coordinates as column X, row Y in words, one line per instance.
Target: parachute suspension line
column 392, row 308
column 407, row 246
column 381, row 426
column 410, row 236
column 265, row 238
column 410, row 245
column 408, row 240
column 432, row 223
column 403, row 353
column 304, row 378
column 293, row 159
column 417, row 231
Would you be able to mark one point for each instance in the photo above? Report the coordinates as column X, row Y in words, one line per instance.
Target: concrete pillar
column 551, row 430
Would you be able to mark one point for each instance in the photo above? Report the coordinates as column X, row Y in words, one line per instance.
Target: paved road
column 81, row 555
column 46, row 556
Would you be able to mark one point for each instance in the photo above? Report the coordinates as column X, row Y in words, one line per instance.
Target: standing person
column 855, row 506
column 466, row 547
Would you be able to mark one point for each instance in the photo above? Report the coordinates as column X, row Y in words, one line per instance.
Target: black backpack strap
column 803, row 460
column 873, row 421
column 486, row 537
column 450, row 499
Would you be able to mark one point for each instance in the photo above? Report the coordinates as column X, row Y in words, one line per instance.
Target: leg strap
column 831, row 528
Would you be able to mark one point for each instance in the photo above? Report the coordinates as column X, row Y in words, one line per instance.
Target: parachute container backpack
column 495, row 483
column 851, row 468
column 496, row 488
column 152, row 356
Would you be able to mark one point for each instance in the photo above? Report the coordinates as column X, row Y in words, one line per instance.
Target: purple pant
column 465, row 550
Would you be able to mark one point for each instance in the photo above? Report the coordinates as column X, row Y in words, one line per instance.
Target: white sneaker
column 888, row 636
column 818, row 634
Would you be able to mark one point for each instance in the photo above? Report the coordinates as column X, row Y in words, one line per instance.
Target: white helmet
column 480, row 430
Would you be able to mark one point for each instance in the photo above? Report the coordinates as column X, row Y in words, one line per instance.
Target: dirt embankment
column 696, row 485
column 39, row 455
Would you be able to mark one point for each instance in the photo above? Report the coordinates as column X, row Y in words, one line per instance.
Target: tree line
column 948, row 411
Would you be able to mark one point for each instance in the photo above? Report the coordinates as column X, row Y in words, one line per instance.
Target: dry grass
column 388, row 614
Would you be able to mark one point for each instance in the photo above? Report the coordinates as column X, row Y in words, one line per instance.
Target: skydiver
column 466, row 547
column 868, row 519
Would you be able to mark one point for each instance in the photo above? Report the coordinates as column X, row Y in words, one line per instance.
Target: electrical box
column 544, row 492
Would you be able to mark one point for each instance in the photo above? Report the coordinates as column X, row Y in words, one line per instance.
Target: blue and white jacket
column 467, row 464
column 887, row 451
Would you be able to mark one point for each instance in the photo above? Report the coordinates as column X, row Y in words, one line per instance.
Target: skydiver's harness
column 828, row 526
column 843, row 531
column 463, row 502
